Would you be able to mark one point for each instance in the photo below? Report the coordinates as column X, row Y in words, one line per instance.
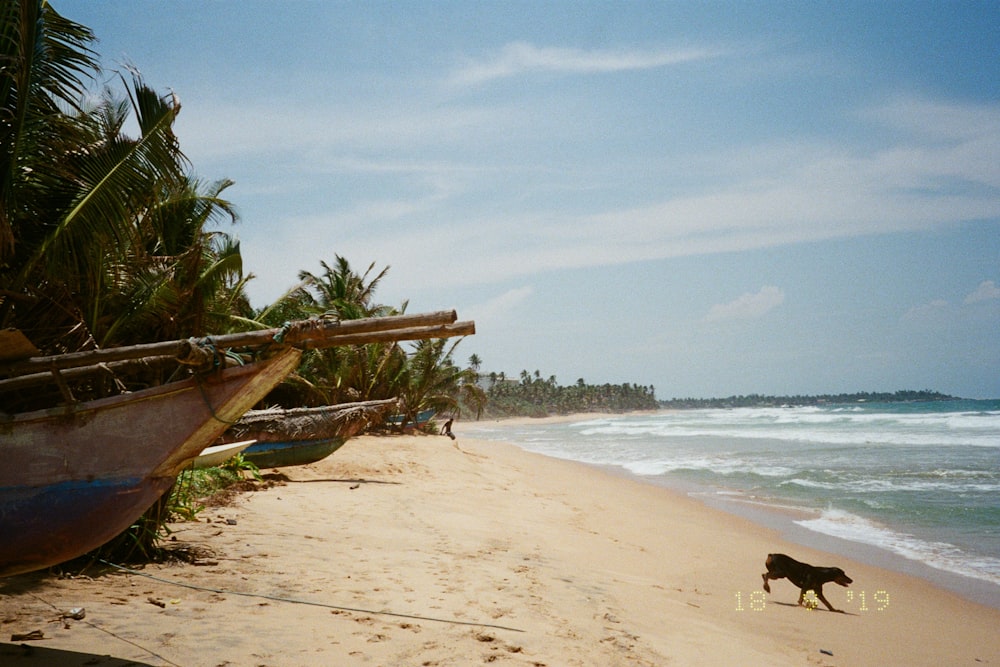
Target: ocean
column 915, row 483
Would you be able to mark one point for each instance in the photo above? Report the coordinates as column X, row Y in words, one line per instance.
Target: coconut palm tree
column 432, row 380
column 45, row 65
column 345, row 293
column 334, row 375
column 181, row 279
column 102, row 235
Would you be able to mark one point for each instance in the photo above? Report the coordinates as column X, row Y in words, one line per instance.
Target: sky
column 713, row 198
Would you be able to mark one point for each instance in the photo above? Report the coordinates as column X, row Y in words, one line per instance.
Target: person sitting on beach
column 446, row 429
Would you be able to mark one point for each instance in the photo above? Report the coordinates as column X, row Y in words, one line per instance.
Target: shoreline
column 417, row 550
column 781, row 519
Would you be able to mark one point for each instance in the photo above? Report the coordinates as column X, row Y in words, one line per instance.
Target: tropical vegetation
column 426, row 377
column 108, row 237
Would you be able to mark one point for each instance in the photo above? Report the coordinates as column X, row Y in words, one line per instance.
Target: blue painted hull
column 28, row 515
column 281, row 454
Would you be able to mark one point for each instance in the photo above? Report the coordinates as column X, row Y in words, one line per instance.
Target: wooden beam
column 313, row 333
column 321, row 340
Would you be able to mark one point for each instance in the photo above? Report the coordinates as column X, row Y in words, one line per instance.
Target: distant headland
column 760, row 401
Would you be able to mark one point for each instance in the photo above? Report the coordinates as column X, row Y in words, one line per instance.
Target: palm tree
column 432, row 380
column 334, row 375
column 180, row 279
column 343, row 292
column 46, row 64
column 475, row 363
column 102, row 235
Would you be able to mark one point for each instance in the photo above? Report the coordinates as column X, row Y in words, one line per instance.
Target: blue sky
column 712, row 198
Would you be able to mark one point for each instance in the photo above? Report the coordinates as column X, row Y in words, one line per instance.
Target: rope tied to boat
column 279, row 335
column 200, row 354
column 325, row 321
column 211, row 408
column 208, row 358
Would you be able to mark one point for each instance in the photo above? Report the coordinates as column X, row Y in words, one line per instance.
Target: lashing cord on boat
column 209, row 589
column 208, row 404
column 217, row 358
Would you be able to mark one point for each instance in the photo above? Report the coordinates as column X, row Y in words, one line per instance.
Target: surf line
column 311, row 603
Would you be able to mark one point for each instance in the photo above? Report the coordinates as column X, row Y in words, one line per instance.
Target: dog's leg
column 819, row 594
column 767, row 587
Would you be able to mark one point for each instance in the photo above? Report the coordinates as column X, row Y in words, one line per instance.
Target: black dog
column 806, row 577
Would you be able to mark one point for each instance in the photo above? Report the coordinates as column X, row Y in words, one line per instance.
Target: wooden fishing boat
column 216, row 455
column 75, row 477
column 299, row 436
column 281, row 454
column 77, row 474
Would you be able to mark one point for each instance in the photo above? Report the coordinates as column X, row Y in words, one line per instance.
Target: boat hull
column 299, row 436
column 400, row 421
column 85, row 518
column 73, row 478
column 280, row 454
column 216, row 455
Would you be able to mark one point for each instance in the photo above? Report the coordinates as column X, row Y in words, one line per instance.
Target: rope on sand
column 118, row 637
column 312, row 603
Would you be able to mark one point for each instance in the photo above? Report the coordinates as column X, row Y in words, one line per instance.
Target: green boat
column 299, row 436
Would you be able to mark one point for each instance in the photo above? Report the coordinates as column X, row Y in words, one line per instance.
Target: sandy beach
column 414, row 550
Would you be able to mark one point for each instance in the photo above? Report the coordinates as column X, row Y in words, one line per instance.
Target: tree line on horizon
column 759, row 400
column 531, row 395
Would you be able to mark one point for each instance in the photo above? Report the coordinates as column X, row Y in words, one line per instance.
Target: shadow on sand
column 33, row 654
column 358, row 481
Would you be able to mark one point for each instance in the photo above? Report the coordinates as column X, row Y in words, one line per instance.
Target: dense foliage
column 109, row 238
column 106, row 238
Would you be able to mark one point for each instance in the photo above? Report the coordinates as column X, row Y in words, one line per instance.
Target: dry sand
column 416, row 551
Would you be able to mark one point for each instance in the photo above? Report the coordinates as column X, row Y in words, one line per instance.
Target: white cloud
column 498, row 306
column 424, row 163
column 933, row 309
column 520, row 58
column 748, row 306
column 986, row 291
column 940, row 308
column 310, row 131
